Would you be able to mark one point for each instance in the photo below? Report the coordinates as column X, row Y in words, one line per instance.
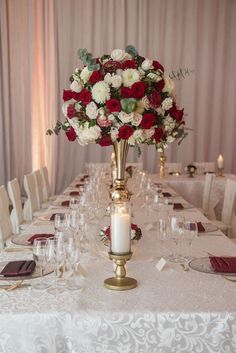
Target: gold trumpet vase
column 119, row 191
column 162, row 164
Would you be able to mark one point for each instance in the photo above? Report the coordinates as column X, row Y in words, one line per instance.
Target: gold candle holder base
column 120, row 282
column 221, row 172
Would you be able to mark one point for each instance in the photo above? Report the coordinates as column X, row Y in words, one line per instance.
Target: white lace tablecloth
column 171, row 311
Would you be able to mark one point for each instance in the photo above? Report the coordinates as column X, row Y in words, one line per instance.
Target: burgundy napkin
column 74, row 193
column 78, row 185
column 84, row 177
column 178, row 206
column 54, row 215
column 38, row 236
column 65, row 203
column 19, row 268
column 200, row 227
column 223, row 264
column 166, row 194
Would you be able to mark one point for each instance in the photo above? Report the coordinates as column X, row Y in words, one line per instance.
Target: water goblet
column 176, row 228
column 39, row 253
column 190, row 233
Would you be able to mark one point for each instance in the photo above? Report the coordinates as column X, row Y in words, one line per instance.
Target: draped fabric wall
column 39, row 41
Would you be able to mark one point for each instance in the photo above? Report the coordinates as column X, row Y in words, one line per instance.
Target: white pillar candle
column 120, row 233
column 220, row 162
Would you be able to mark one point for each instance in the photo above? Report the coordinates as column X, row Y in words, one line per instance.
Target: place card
column 161, row 264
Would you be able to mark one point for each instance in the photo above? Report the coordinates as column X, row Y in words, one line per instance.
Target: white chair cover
column 173, row 168
column 31, row 203
column 228, row 204
column 5, row 222
column 45, row 183
column 206, row 205
column 205, row 167
column 39, row 188
column 17, row 217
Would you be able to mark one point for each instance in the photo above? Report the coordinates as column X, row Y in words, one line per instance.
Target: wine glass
column 176, row 228
column 39, row 253
column 73, row 256
column 59, row 222
column 74, row 203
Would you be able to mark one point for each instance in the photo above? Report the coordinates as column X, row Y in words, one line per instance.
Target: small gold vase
column 119, row 191
column 162, row 164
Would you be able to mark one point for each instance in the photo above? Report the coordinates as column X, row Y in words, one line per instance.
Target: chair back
column 205, row 167
column 5, row 222
column 173, row 168
column 31, row 204
column 39, row 187
column 228, row 204
column 17, row 217
column 207, row 194
column 45, row 183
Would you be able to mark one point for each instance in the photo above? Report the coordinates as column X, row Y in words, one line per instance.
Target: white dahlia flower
column 92, row 110
column 89, row 134
column 100, row 92
column 130, row 76
column 85, row 74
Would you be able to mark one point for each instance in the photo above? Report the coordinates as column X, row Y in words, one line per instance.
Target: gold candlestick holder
column 221, row 172
column 120, row 281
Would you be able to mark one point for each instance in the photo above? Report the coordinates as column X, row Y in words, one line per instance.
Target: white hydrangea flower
column 107, row 78
column 100, row 92
column 118, row 54
column 85, row 74
column 167, row 103
column 76, row 86
column 116, row 81
column 92, row 110
column 130, row 76
column 136, row 119
column 65, row 105
column 125, row 118
column 89, row 134
column 147, row 65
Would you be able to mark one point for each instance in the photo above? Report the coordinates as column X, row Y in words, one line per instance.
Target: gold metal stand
column 221, row 172
column 162, row 165
column 120, row 282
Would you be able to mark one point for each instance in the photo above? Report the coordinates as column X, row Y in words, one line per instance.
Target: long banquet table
column 170, row 311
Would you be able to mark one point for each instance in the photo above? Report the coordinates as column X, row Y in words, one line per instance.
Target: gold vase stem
column 162, row 164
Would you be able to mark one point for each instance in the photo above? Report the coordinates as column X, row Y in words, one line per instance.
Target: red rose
column 85, row 96
column 95, row 77
column 71, row 135
column 159, row 85
column 67, row 95
column 175, row 113
column 108, row 233
column 111, row 66
column 129, row 64
column 71, row 111
column 126, row 92
column 138, row 90
column 134, row 226
column 75, row 95
column 157, row 65
column 158, row 134
column 155, row 99
column 113, row 105
column 105, row 141
column 125, row 132
column 147, row 120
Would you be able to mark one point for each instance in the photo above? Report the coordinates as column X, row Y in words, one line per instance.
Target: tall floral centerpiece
column 121, row 98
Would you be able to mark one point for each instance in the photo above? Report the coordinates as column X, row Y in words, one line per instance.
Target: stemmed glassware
column 73, row 256
column 190, row 233
column 176, row 229
column 39, row 255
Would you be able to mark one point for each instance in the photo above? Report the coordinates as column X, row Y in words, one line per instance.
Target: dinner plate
column 47, row 216
column 23, row 239
column 35, row 274
column 203, row 265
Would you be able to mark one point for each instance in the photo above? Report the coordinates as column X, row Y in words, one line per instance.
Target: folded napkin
column 65, row 203
column 166, row 194
column 84, row 177
column 74, row 193
column 78, row 185
column 19, row 268
column 200, row 227
column 54, row 215
column 223, row 264
column 38, row 236
column 178, row 206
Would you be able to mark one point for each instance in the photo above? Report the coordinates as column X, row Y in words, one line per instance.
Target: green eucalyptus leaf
column 130, row 49
column 128, row 105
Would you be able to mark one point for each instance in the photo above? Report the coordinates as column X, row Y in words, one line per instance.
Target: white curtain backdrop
column 39, row 40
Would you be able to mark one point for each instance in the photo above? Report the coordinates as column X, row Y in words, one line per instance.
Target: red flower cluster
column 105, row 141
column 71, row 134
column 125, row 132
column 95, row 77
column 71, row 111
column 175, row 113
column 113, row 105
column 147, row 121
